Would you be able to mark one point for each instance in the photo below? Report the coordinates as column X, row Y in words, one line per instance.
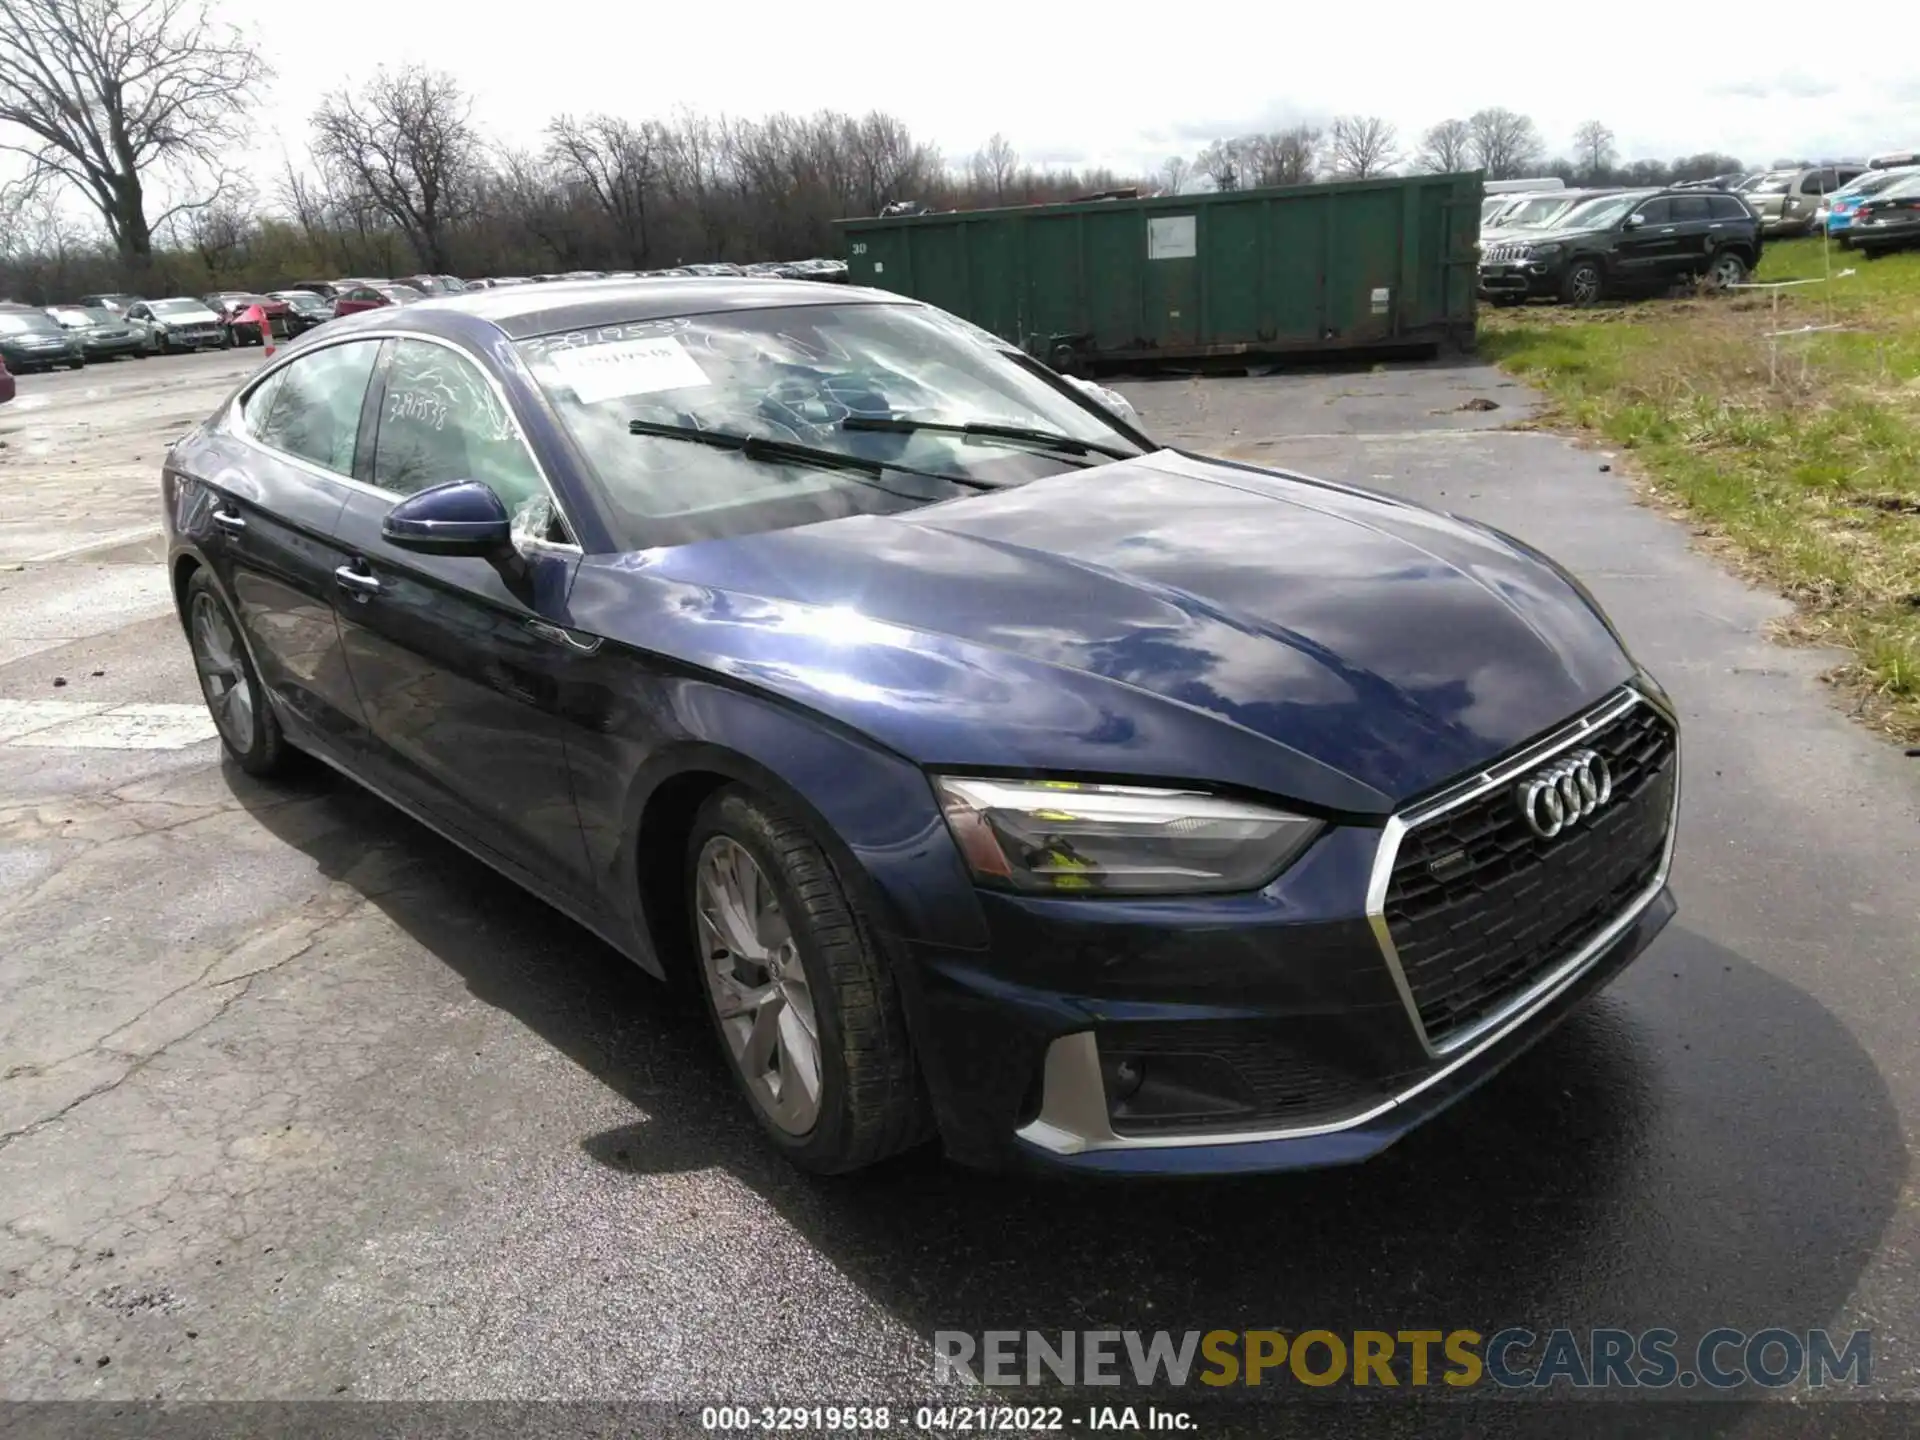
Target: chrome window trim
column 1073, row 1114
column 237, row 423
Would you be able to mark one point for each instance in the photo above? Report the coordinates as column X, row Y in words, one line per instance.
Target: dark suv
column 1636, row 240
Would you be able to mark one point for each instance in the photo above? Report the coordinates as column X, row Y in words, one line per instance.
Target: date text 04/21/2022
column 941, row 1419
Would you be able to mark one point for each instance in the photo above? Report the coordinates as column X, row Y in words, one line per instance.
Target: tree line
column 119, row 105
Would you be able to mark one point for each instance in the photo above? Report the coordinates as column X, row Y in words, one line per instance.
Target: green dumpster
column 1365, row 264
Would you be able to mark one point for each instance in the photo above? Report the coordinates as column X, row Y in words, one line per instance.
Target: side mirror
column 1634, row 222
column 461, row 517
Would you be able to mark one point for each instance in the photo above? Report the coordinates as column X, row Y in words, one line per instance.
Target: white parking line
column 84, row 725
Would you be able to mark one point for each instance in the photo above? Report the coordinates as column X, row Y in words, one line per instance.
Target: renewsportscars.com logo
column 1510, row 1359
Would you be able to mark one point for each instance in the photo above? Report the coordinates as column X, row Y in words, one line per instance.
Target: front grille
column 1511, row 905
column 1504, row 253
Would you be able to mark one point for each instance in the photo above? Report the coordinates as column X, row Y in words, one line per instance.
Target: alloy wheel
column 223, row 673
column 1728, row 271
column 758, row 984
column 1585, row 285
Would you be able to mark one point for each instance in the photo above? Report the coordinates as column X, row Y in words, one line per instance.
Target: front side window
column 885, row 384
column 440, row 420
column 315, row 413
column 1688, row 208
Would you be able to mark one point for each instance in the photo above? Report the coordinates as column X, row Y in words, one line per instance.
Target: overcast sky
column 1129, row 84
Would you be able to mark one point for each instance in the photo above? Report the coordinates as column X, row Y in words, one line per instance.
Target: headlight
column 1543, row 252
column 1056, row 837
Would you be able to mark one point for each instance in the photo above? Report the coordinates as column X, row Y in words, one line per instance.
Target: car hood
column 1167, row 616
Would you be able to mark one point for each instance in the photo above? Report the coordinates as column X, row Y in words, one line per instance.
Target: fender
column 894, row 854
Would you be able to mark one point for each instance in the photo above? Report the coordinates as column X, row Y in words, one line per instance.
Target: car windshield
column 180, row 307
column 1599, row 214
column 303, row 300
column 1901, row 189
column 1541, row 210
column 811, row 376
column 400, row 292
column 27, row 323
column 74, row 315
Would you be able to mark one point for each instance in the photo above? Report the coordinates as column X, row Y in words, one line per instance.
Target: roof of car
column 583, row 304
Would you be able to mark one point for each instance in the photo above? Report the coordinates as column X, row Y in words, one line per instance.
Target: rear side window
column 1688, row 208
column 1727, row 207
column 440, row 420
column 314, row 412
column 1818, row 182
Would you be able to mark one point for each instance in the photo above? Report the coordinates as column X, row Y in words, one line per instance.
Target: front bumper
column 1520, row 279
column 106, row 346
column 1274, row 1031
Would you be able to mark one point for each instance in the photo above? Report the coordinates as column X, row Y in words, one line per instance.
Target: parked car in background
column 372, row 295
column 305, row 309
column 1837, row 213
column 1633, row 242
column 116, row 302
column 233, row 307
column 179, row 323
column 103, row 334
column 1787, row 200
column 815, row 656
column 31, row 339
column 7, row 385
column 435, row 284
column 1888, row 221
column 1536, row 212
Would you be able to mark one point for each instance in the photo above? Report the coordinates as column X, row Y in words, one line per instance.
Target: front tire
column 1584, row 283
column 1726, row 270
column 235, row 698
column 798, row 990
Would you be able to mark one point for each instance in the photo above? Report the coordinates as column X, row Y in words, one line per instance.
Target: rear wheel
column 235, row 698
column 1583, row 283
column 798, row 990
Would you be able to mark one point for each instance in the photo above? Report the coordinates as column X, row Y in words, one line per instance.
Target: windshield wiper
column 1018, row 434
column 787, row 452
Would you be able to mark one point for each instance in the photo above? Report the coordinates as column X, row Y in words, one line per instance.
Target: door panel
column 1643, row 253
column 455, row 659
column 464, row 696
column 271, row 521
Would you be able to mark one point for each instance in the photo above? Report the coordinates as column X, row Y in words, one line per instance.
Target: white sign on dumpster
column 1171, row 237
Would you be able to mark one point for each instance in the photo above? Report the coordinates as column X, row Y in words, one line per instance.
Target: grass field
column 1808, row 468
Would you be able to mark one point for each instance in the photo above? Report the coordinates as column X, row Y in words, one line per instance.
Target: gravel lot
column 298, row 1101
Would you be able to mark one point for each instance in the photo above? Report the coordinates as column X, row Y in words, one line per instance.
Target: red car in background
column 372, row 294
column 234, row 307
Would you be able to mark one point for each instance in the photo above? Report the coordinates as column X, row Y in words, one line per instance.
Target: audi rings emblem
column 1564, row 793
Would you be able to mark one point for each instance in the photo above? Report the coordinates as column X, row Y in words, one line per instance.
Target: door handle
column 228, row 521
column 357, row 581
column 559, row 635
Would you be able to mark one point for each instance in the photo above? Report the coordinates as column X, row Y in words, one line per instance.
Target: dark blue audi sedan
column 995, row 773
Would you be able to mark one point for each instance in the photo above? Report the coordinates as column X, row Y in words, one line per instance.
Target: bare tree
column 1280, row 157
column 1176, row 172
column 994, row 166
column 1223, row 162
column 108, row 93
column 1593, row 150
column 619, row 165
column 1445, row 148
column 1503, row 143
column 217, row 233
column 405, row 143
column 1363, row 147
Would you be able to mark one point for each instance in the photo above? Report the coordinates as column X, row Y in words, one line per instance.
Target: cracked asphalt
column 300, row 1102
